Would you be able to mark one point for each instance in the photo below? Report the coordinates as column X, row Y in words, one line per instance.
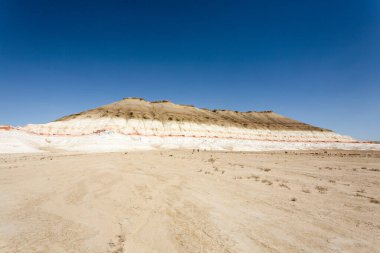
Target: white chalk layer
column 115, row 134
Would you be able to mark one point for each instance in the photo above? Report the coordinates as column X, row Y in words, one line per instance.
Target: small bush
column 284, row 186
column 321, row 189
column 265, row 181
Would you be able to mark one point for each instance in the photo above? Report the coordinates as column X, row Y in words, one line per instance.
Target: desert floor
column 185, row 201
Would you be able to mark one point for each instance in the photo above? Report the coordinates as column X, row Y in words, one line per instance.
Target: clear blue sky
column 315, row 61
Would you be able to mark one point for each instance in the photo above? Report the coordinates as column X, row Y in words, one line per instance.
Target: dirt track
column 184, row 201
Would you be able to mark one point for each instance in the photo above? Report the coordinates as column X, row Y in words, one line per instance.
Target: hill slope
column 166, row 111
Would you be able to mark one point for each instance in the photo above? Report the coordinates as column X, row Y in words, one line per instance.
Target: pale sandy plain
column 186, row 201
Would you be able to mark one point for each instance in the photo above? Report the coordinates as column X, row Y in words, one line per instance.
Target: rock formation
column 134, row 123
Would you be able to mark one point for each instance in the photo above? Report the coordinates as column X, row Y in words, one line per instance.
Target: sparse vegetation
column 265, row 181
column 211, row 160
column 160, row 101
column 284, row 186
column 321, row 189
column 253, row 176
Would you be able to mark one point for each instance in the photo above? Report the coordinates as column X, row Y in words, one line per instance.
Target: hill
column 166, row 111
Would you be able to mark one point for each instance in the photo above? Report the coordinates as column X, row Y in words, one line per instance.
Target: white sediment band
column 113, row 134
column 155, row 128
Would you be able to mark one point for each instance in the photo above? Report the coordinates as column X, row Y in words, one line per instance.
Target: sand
column 186, row 201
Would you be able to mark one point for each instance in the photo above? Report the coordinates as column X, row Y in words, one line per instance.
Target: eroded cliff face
column 137, row 117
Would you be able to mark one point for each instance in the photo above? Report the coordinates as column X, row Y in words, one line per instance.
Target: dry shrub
column 284, row 186
column 253, row 176
column 211, row 160
column 265, row 181
column 321, row 189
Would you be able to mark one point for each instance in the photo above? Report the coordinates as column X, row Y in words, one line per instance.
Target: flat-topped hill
column 137, row 108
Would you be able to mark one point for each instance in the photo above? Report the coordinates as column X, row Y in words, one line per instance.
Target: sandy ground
column 184, row 201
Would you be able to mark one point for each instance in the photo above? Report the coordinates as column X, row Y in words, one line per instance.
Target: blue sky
column 315, row 61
